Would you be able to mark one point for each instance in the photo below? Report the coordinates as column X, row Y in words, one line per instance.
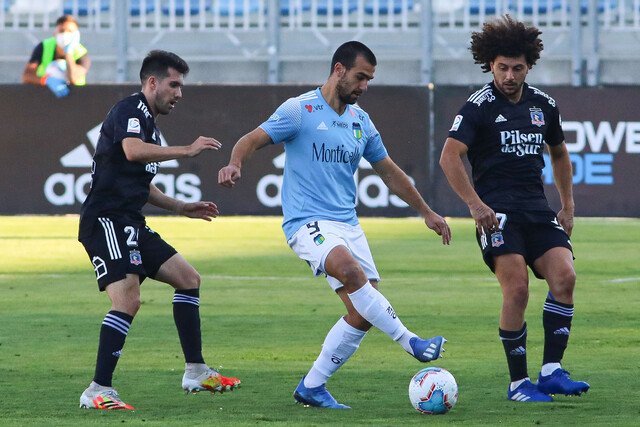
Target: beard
column 346, row 96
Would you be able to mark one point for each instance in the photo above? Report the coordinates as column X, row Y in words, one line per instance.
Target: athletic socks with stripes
column 515, row 348
column 556, row 320
column 113, row 333
column 186, row 314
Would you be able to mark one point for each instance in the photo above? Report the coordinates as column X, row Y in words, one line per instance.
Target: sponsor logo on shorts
column 134, row 257
column 318, row 239
column 496, row 239
column 99, row 267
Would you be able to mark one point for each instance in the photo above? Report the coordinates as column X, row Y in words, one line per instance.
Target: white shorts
column 313, row 242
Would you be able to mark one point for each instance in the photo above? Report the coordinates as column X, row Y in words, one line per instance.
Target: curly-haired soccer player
column 503, row 129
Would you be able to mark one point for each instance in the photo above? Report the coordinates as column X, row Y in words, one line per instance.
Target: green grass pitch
column 264, row 318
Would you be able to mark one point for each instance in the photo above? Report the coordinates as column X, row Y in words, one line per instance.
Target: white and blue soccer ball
column 433, row 391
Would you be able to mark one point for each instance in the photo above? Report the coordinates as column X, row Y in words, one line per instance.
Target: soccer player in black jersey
column 122, row 249
column 502, row 129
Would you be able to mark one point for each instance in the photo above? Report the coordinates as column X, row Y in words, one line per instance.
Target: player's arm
column 244, row 148
column 201, row 210
column 453, row 168
column 399, row 183
column 29, row 74
column 563, row 176
column 136, row 150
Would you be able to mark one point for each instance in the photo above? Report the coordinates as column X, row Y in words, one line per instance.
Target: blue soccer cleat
column 427, row 350
column 560, row 383
column 527, row 392
column 316, row 396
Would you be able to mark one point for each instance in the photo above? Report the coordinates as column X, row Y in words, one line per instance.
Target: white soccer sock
column 548, row 368
column 194, row 370
column 375, row 308
column 515, row 384
column 404, row 341
column 341, row 342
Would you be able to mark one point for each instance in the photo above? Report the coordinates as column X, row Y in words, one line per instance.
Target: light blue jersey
column 322, row 150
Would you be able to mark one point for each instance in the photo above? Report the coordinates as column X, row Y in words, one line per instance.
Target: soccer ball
column 433, row 391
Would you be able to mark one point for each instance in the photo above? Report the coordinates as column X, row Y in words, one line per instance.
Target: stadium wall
column 47, row 145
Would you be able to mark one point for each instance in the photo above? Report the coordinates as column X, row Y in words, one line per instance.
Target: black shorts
column 530, row 239
column 117, row 248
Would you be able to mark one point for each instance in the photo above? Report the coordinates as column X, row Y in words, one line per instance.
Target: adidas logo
column 500, row 118
column 80, row 157
column 520, row 351
column 65, row 188
column 561, row 331
column 322, row 126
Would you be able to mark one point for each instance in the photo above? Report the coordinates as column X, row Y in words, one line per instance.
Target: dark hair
column 158, row 62
column 505, row 37
column 347, row 52
column 66, row 18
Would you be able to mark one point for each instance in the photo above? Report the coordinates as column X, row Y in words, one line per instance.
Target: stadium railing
column 308, row 28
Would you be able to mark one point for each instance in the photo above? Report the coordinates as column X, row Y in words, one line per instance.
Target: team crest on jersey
column 537, row 117
column 496, row 239
column 134, row 257
column 357, row 130
column 318, row 239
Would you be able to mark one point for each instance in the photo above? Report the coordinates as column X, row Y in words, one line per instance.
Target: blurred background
column 587, row 42
column 248, row 56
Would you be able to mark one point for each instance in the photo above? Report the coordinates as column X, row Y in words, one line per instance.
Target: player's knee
column 352, row 276
column 563, row 284
column 192, row 280
column 130, row 305
column 517, row 296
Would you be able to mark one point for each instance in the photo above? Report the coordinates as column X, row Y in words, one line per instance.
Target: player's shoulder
column 307, row 96
column 481, row 97
column 540, row 95
column 133, row 104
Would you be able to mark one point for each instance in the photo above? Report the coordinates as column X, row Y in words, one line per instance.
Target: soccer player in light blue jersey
column 325, row 134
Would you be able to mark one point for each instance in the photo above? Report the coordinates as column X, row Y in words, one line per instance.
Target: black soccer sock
column 113, row 333
column 186, row 313
column 515, row 348
column 556, row 320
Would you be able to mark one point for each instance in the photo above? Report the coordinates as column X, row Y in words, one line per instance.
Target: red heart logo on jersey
column 309, row 108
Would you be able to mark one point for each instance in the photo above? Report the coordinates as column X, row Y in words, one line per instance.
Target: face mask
column 66, row 38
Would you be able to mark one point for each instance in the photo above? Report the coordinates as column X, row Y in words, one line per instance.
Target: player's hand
column 229, row 175
column 485, row 218
column 72, row 42
column 201, row 144
column 200, row 210
column 439, row 225
column 565, row 218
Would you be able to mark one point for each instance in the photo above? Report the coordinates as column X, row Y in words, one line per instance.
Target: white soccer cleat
column 209, row 380
column 105, row 398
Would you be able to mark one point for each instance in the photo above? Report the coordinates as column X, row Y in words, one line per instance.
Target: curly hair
column 505, row 37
